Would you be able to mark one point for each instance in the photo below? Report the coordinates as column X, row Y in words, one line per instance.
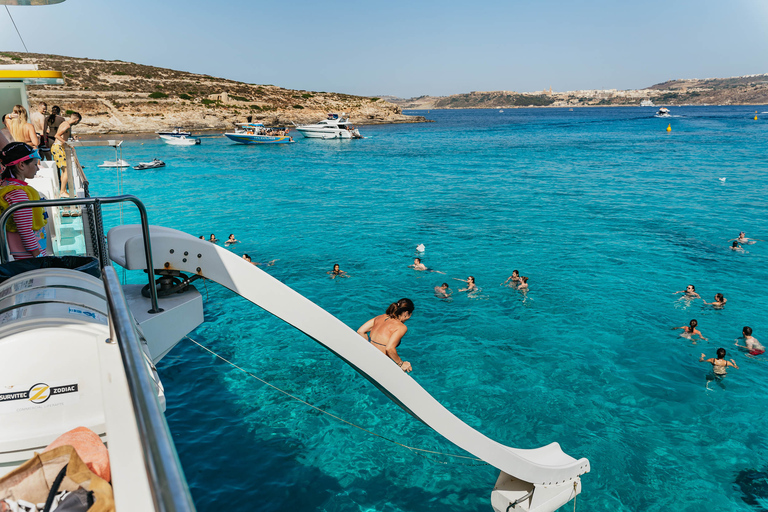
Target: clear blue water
column 608, row 215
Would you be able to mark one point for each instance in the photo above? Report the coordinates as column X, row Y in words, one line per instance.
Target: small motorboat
column 257, row 133
column 663, row 112
column 120, row 163
column 182, row 140
column 154, row 164
column 176, row 132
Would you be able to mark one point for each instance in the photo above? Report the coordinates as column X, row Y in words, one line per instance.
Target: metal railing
column 170, row 492
column 100, row 249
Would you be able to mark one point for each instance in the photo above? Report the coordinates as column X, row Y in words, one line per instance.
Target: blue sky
column 411, row 48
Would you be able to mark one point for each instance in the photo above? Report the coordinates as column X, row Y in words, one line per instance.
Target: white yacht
column 78, row 348
column 647, row 103
column 335, row 126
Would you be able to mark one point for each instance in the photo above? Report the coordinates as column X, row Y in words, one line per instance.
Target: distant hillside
column 123, row 97
column 742, row 90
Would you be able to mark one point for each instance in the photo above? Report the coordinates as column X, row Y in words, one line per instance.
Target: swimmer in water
column 418, row 265
column 689, row 331
column 387, row 330
column 690, row 292
column 523, row 284
column 443, row 291
column 337, row 272
column 268, row 264
column 737, row 247
column 754, row 347
column 744, row 240
column 719, row 301
column 513, row 280
column 471, row 286
column 719, row 365
column 231, row 240
column 213, row 239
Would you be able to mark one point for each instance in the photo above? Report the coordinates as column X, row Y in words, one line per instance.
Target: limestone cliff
column 123, row 97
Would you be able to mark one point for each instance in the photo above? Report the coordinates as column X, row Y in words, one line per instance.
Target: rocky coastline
column 122, row 97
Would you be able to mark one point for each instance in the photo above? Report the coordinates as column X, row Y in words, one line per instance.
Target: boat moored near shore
column 335, row 126
column 257, row 133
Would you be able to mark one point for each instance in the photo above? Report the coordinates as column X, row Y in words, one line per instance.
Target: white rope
column 417, row 451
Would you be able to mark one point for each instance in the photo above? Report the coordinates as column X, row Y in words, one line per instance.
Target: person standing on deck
column 63, row 134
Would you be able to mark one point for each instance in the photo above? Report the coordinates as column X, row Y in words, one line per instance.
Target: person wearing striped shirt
column 26, row 228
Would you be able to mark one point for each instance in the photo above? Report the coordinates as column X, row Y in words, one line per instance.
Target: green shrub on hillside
column 255, row 107
column 185, row 96
column 306, row 96
column 238, row 98
column 158, row 94
column 206, row 101
column 374, row 99
column 297, row 106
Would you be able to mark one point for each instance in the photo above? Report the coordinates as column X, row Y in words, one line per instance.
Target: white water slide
column 540, row 479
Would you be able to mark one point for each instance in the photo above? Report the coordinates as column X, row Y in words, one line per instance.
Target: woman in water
column 26, row 228
column 513, row 280
column 231, row 240
column 523, row 284
column 337, row 272
column 690, row 292
column 21, row 129
column 471, row 286
column 689, row 331
column 387, row 330
column 718, row 303
column 213, row 239
column 719, row 365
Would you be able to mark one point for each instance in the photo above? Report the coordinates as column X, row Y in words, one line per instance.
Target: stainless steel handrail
column 169, row 488
column 4, row 251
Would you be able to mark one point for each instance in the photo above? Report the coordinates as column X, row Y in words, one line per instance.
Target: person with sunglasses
column 26, row 227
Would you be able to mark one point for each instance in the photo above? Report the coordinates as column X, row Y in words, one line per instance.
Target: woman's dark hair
column 398, row 308
column 12, row 152
column 720, row 353
column 515, row 272
column 735, row 244
column 231, row 235
column 444, row 284
column 719, row 297
column 524, row 279
column 472, row 278
column 55, row 111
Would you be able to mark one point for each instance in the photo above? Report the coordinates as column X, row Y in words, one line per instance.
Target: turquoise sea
column 605, row 212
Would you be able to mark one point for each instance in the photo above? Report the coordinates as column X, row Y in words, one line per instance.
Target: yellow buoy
column 755, row 118
column 669, row 127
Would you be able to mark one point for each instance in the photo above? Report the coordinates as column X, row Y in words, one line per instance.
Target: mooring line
column 418, row 451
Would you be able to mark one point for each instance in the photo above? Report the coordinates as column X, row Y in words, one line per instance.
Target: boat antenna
column 17, row 29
